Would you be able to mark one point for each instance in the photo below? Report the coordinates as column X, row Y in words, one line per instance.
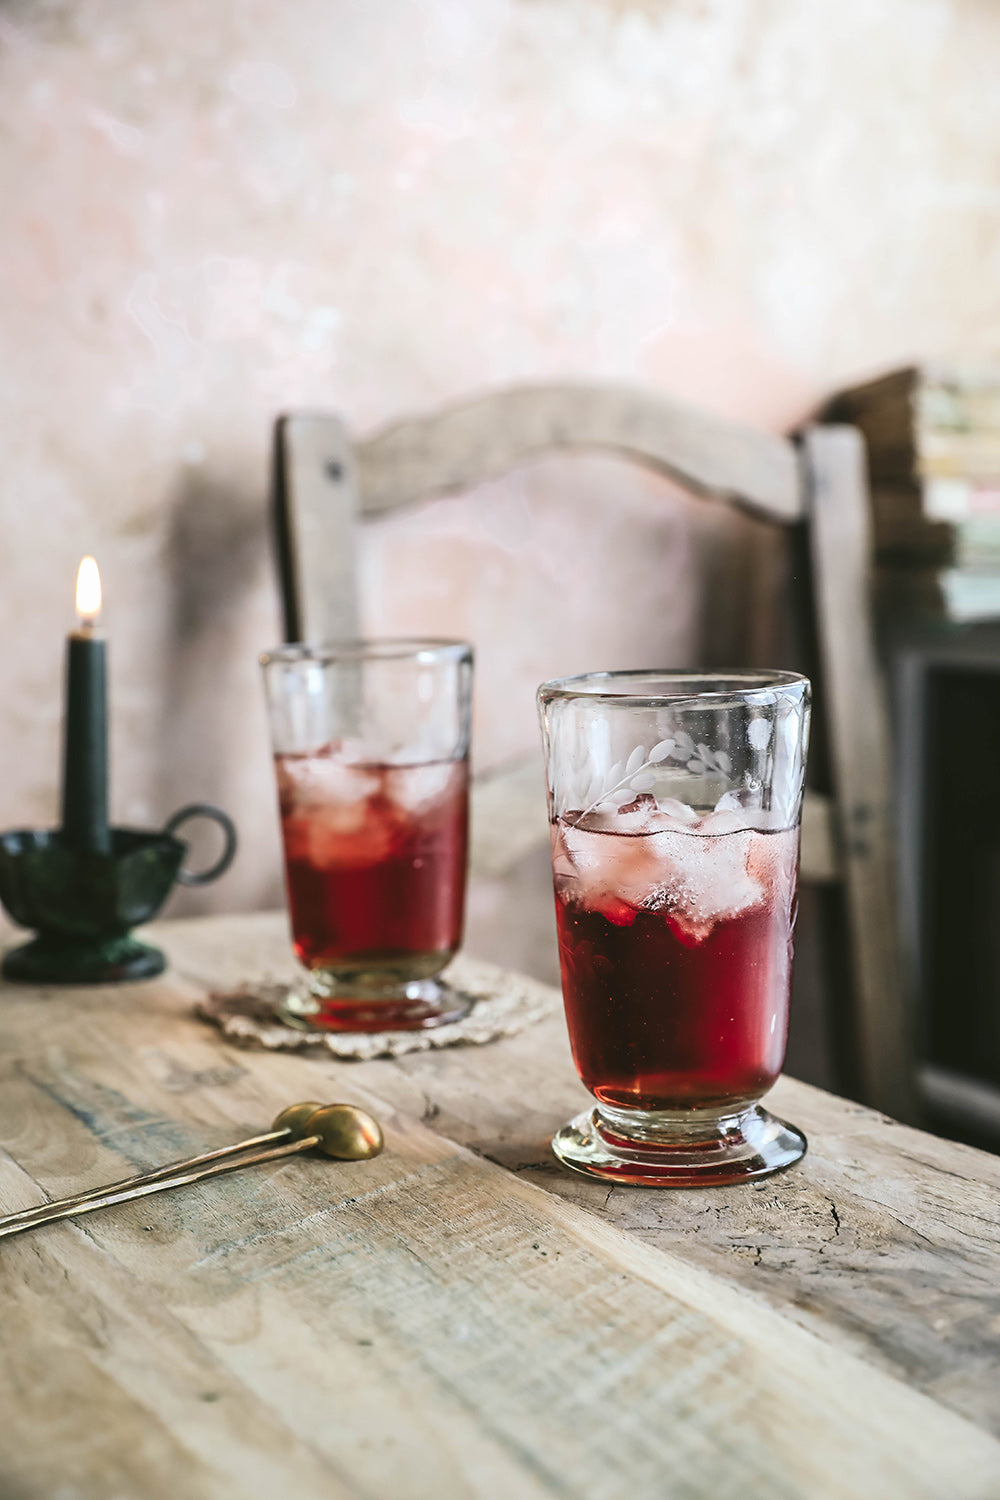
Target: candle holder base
column 82, row 904
column 112, row 961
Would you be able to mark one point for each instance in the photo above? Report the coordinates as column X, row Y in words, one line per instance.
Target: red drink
column 675, row 904
column 375, row 864
column 675, row 950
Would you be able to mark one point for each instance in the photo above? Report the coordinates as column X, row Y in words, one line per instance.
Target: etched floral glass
column 674, row 802
column 371, row 746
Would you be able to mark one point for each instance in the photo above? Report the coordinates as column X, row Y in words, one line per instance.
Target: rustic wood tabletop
column 460, row 1317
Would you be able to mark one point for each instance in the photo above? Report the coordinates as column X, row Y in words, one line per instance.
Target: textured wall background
column 213, row 212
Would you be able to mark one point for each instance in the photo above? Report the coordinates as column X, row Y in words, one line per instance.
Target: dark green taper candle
column 85, row 747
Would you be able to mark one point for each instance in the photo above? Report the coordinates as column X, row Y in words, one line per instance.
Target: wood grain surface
column 458, row 1317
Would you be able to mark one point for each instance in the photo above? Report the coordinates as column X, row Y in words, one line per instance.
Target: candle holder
column 83, row 903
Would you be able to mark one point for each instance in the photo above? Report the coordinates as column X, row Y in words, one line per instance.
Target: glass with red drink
column 674, row 802
column 371, row 745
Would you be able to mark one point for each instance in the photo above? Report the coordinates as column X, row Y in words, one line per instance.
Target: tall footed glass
column 371, row 746
column 674, row 802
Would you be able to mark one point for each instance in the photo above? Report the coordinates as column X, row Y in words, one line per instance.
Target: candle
column 85, row 751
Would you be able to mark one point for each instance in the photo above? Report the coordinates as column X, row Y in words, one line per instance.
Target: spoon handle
column 151, row 1183
column 154, row 1175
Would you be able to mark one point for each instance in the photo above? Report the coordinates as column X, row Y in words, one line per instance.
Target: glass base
column 324, row 1005
column 690, row 1148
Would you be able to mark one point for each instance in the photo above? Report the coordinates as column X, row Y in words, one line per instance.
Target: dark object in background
column 948, row 716
column 961, row 900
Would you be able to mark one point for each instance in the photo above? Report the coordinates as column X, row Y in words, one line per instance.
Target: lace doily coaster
column 503, row 1005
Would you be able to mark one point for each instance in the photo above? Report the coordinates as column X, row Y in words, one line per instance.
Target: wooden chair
column 325, row 483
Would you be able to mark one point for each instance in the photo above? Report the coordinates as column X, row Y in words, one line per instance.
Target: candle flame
column 88, row 591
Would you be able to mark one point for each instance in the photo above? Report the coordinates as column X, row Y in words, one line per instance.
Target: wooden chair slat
column 819, row 859
column 316, row 508
column 841, row 544
column 475, row 440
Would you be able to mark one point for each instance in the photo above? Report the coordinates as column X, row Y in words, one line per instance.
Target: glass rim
column 427, row 649
column 758, row 683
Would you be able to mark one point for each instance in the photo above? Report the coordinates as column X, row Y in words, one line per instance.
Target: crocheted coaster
column 503, row 1005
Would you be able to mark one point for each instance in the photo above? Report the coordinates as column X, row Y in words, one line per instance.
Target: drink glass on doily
column 371, row 750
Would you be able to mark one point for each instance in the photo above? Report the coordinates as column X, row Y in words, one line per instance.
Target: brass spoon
column 340, row 1130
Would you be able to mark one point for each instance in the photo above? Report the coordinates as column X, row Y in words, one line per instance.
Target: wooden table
column 459, row 1317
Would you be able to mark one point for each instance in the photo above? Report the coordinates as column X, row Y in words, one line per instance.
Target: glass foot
column 406, row 1007
column 695, row 1148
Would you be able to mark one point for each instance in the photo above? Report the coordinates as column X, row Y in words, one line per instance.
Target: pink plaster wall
column 211, row 212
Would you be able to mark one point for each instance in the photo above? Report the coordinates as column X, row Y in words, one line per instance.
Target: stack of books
column 933, row 435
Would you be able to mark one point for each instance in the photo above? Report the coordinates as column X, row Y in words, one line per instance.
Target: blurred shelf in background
column 933, row 436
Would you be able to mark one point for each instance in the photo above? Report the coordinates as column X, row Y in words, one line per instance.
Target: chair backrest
column 324, row 482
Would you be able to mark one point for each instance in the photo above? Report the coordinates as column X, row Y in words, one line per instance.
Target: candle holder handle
column 214, row 815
